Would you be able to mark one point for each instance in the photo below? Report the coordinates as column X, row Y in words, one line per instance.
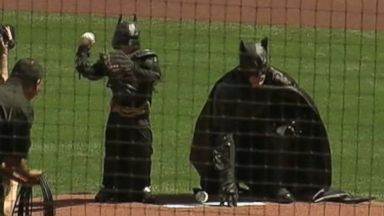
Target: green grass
column 342, row 70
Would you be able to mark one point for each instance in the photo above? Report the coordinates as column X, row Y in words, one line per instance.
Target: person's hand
column 87, row 39
column 3, row 47
column 4, row 44
column 34, row 177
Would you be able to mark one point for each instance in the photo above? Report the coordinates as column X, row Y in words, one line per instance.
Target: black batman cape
column 280, row 138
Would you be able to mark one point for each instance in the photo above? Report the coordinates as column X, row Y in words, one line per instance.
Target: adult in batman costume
column 259, row 129
column 132, row 74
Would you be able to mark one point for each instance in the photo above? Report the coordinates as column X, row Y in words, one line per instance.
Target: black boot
column 148, row 196
column 105, row 195
column 143, row 196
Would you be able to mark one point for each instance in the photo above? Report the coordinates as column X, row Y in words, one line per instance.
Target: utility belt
column 130, row 112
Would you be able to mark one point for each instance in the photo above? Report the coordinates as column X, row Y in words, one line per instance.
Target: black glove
column 8, row 35
column 289, row 129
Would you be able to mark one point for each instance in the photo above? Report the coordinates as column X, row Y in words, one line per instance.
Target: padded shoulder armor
column 282, row 78
column 147, row 59
column 144, row 54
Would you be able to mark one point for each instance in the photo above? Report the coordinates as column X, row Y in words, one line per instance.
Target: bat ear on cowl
column 242, row 47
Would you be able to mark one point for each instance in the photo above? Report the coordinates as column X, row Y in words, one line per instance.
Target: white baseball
column 89, row 36
column 201, row 196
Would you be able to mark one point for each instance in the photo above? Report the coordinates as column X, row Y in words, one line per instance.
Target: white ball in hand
column 88, row 38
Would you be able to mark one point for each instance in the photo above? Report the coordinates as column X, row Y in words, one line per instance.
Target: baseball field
column 334, row 49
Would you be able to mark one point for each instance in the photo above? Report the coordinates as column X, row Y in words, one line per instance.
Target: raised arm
column 83, row 64
column 6, row 43
column 3, row 61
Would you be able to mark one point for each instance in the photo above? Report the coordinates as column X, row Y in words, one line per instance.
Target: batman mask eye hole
column 258, row 62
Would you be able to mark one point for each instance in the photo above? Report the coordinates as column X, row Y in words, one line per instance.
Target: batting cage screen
column 192, row 107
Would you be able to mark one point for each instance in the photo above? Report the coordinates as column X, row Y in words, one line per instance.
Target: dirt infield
column 345, row 14
column 76, row 205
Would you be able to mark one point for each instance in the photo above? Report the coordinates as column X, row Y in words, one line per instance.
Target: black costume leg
column 144, row 153
column 111, row 146
column 283, row 177
column 224, row 162
column 135, row 163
